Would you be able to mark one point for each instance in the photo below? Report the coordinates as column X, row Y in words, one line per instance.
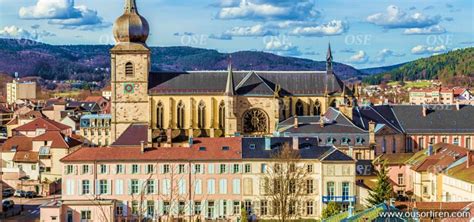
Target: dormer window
column 128, row 69
column 330, row 140
column 13, row 148
column 345, row 141
column 359, row 140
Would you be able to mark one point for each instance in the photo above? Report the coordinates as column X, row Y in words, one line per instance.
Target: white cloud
column 359, row 58
column 220, row 37
column 394, row 17
column 15, row 32
column 435, row 29
column 422, row 49
column 282, row 47
column 334, row 27
column 270, row 10
column 65, row 14
column 385, row 53
column 256, row 30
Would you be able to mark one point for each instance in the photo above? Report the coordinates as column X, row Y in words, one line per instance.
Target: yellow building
column 179, row 105
column 20, row 90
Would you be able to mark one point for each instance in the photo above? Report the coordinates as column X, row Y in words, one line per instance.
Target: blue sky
column 363, row 33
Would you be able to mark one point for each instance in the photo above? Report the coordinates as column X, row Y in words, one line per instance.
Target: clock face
column 128, row 88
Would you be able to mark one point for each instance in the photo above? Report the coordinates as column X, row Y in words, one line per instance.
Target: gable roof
column 133, row 135
column 253, row 84
column 439, row 118
column 213, row 151
column 58, row 140
column 21, row 143
column 26, row 157
column 42, row 122
column 214, row 82
column 336, row 155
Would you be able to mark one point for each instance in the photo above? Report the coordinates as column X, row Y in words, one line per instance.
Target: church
column 173, row 107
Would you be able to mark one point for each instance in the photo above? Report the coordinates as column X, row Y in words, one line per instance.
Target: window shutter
column 76, row 170
column 160, row 207
column 129, row 187
column 91, row 169
column 230, row 207
column 204, row 208
column 157, row 187
column 109, row 187
column 97, row 187
column 193, row 170
column 91, row 184
column 125, row 208
column 79, row 187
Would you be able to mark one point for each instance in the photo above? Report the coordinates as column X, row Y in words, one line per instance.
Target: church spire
column 130, row 6
column 229, row 89
column 329, row 59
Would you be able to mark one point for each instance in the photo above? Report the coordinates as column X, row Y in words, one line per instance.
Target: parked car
column 7, row 204
column 30, row 194
column 19, row 193
column 8, row 192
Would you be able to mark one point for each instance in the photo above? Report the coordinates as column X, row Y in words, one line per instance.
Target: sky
column 362, row 33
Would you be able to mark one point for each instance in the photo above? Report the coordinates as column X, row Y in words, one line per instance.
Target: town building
column 448, row 96
column 208, row 103
column 17, row 90
column 95, row 128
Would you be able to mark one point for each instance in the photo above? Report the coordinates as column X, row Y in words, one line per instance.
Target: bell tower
column 130, row 65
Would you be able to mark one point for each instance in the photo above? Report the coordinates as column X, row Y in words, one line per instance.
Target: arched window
column 201, row 115
column 159, row 115
column 299, row 108
column 317, row 108
column 222, row 115
column 180, row 115
column 128, row 69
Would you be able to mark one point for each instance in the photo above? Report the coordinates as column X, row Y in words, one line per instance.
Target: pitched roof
column 133, row 135
column 214, row 82
column 26, row 157
column 336, row 155
column 461, row 171
column 42, row 122
column 213, row 151
column 95, row 99
column 443, row 155
column 33, row 114
column 439, row 118
column 21, row 143
column 58, row 140
column 393, row 158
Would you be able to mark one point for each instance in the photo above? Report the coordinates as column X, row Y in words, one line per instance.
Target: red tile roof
column 58, row 140
column 444, row 155
column 26, row 157
column 22, row 143
column 33, row 114
column 42, row 123
column 96, row 99
column 213, row 151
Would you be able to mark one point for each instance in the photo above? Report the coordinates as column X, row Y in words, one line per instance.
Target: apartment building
column 213, row 179
column 20, row 90
column 95, row 128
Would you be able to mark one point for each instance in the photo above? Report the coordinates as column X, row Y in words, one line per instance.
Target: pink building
column 201, row 181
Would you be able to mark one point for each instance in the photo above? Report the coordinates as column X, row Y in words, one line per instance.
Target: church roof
column 260, row 83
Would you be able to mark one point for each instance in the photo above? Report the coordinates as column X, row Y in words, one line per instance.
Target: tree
column 331, row 209
column 243, row 214
column 284, row 182
column 383, row 190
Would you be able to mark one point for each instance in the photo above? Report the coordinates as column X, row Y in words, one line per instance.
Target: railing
column 345, row 199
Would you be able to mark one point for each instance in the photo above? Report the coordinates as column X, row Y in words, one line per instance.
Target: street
column 31, row 209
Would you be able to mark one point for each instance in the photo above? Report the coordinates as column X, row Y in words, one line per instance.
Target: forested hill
column 455, row 67
column 88, row 62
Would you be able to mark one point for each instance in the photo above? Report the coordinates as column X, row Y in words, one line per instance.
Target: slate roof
column 439, row 119
column 336, row 155
column 254, row 148
column 133, row 135
column 382, row 114
column 246, row 82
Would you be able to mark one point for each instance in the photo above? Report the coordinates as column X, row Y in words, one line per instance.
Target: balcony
column 339, row 199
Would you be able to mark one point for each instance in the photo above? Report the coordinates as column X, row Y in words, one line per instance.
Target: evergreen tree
column 383, row 190
column 331, row 209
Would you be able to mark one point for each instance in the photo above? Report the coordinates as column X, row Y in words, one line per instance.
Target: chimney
column 430, row 149
column 469, row 160
column 371, row 132
column 295, row 143
column 142, row 146
column 457, row 105
column 296, row 123
column 191, row 141
column 268, row 145
column 424, row 111
column 321, row 120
